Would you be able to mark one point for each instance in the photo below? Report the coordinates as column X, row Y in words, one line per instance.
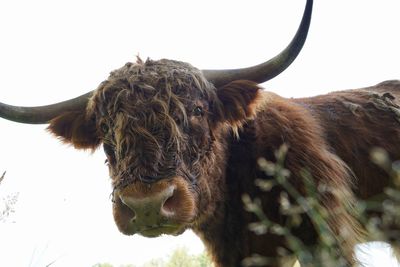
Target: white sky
column 54, row 50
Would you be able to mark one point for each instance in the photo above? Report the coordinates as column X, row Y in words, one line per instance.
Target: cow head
column 162, row 126
column 159, row 123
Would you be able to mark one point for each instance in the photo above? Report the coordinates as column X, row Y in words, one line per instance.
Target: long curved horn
column 259, row 73
column 42, row 114
column 271, row 68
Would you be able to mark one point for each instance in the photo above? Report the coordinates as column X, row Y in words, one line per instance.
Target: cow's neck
column 225, row 231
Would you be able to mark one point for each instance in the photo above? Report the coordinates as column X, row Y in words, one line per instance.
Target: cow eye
column 104, row 128
column 198, row 111
column 109, row 150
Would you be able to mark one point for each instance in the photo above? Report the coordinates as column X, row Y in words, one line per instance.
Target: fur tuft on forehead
column 148, row 82
column 141, row 107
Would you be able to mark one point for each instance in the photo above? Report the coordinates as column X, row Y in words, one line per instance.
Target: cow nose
column 165, row 206
column 149, row 210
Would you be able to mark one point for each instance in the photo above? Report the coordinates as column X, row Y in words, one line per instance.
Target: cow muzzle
column 164, row 207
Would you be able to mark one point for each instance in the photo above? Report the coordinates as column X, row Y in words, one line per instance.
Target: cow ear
column 76, row 129
column 238, row 101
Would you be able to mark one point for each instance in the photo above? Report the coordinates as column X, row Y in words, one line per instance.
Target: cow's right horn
column 259, row 73
column 42, row 114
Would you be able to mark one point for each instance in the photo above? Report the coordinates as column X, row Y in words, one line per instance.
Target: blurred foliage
column 7, row 206
column 180, row 257
column 110, row 265
column 385, row 228
column 103, row 265
column 294, row 205
column 7, row 203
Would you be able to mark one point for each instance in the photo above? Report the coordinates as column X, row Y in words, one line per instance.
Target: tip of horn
column 267, row 70
column 42, row 114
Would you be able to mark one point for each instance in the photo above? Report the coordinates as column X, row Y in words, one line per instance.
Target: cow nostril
column 169, row 206
column 127, row 209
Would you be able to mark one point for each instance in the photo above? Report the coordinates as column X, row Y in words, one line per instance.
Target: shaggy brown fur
column 159, row 120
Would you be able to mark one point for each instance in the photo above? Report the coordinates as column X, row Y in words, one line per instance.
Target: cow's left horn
column 259, row 73
column 42, row 114
column 271, row 68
